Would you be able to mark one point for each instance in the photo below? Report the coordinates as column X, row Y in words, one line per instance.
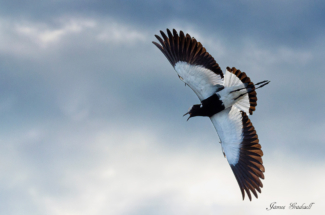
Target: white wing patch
column 201, row 80
column 228, row 124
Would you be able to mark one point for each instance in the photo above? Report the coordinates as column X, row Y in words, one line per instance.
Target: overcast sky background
column 91, row 111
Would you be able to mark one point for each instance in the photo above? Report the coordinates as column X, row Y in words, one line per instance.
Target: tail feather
column 263, row 84
column 244, row 88
column 250, row 90
column 247, row 100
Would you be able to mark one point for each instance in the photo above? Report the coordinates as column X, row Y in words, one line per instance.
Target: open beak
column 189, row 116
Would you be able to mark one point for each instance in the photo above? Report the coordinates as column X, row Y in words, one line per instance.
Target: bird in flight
column 226, row 99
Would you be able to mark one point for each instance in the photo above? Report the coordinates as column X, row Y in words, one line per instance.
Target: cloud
column 21, row 37
column 92, row 111
column 43, row 35
column 105, row 171
column 115, row 33
column 274, row 23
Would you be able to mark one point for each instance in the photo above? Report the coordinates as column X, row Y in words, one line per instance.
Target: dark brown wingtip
column 178, row 47
column 175, row 32
column 241, row 187
column 159, row 39
column 158, row 45
column 168, row 31
column 162, row 33
column 249, row 168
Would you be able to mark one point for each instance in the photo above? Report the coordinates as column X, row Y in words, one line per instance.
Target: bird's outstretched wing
column 241, row 146
column 193, row 64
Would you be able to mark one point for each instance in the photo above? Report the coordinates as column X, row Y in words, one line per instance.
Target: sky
column 91, row 111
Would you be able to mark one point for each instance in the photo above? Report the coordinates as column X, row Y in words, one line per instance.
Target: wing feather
column 195, row 66
column 241, row 146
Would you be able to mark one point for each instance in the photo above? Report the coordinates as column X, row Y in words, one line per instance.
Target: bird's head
column 195, row 110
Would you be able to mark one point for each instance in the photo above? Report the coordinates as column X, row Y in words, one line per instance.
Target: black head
column 195, row 110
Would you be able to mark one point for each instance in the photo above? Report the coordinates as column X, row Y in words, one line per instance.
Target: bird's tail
column 245, row 93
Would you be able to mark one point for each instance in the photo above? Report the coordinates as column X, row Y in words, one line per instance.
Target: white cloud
column 25, row 38
column 44, row 35
column 114, row 32
column 111, row 171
